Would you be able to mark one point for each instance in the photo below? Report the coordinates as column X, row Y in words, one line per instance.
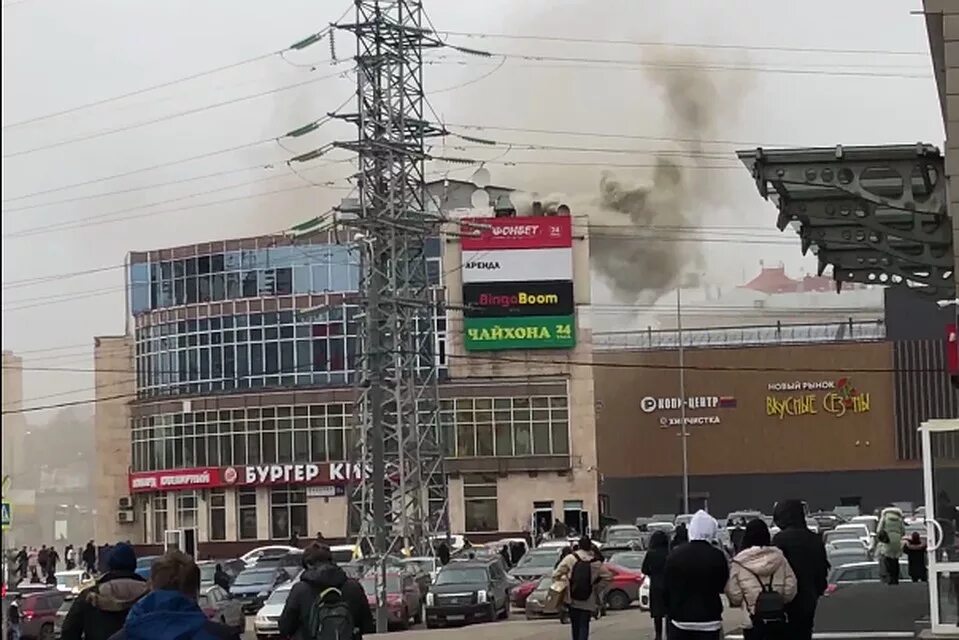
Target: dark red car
column 38, row 613
column 624, row 589
column 520, row 593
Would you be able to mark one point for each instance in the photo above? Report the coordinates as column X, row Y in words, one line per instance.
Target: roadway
column 631, row 624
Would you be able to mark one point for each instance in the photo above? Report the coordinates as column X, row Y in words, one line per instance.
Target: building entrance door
column 940, row 469
column 575, row 518
column 542, row 519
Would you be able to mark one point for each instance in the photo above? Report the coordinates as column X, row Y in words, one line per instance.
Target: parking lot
column 631, row 624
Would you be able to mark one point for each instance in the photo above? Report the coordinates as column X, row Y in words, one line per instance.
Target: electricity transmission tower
column 401, row 499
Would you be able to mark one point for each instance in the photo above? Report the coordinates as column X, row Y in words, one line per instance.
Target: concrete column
column 231, row 519
column 202, row 517
column 263, row 513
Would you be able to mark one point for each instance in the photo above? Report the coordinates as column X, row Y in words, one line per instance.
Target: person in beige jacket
column 581, row 609
column 758, row 560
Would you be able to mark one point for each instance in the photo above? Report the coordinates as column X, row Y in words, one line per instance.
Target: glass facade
column 252, row 273
column 517, row 426
column 473, row 427
column 268, row 435
column 268, row 350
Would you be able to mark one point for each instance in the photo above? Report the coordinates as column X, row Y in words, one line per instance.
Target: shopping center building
column 238, row 426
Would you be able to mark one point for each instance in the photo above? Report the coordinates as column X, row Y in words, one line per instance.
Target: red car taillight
column 28, row 616
column 831, row 588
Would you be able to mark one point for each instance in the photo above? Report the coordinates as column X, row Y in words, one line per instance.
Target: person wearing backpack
column 762, row 582
column 806, row 554
column 325, row 604
column 586, row 576
column 695, row 577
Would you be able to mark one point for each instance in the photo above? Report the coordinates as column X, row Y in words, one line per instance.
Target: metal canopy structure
column 874, row 214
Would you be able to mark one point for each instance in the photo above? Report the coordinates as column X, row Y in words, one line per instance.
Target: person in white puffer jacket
column 758, row 560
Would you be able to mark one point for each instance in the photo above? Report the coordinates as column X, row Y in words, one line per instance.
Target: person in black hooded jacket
column 807, row 556
column 321, row 573
column 654, row 568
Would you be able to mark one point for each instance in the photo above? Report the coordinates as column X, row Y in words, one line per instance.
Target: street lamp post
column 682, row 395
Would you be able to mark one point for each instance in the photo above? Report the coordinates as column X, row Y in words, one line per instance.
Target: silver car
column 219, row 607
column 266, row 622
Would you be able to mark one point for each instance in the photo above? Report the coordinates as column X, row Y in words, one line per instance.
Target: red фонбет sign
column 541, row 232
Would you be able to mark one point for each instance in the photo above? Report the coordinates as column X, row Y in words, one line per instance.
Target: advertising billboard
column 319, row 473
column 546, row 232
column 502, row 299
column 518, row 283
column 512, row 265
column 533, row 332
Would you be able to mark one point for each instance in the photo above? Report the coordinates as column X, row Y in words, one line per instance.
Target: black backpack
column 581, row 580
column 330, row 617
column 769, row 612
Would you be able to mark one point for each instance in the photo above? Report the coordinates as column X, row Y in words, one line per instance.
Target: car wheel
column 617, row 600
column 46, row 632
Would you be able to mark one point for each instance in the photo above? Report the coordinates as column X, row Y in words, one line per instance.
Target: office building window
column 479, row 500
column 287, row 513
column 159, row 517
column 246, row 514
column 217, row 503
column 186, row 505
column 518, row 426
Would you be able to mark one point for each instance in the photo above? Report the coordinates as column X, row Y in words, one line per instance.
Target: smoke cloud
column 671, row 108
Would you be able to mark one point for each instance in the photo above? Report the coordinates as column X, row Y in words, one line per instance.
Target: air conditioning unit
column 125, row 516
column 126, row 502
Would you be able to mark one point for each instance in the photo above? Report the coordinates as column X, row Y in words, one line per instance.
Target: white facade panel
column 517, row 265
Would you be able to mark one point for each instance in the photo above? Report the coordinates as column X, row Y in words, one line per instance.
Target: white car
column 861, row 529
column 251, row 557
column 74, row 581
column 457, row 541
column 266, row 622
column 644, row 594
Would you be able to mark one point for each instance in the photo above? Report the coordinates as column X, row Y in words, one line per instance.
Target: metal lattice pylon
column 401, row 499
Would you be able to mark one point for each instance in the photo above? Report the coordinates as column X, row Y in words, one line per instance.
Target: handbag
column 883, row 537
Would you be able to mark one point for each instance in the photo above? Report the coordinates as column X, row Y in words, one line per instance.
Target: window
column 217, row 503
column 186, row 503
column 479, row 500
column 246, row 514
column 159, row 517
column 287, row 512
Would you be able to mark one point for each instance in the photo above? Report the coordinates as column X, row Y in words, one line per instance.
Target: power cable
column 654, row 43
column 165, row 118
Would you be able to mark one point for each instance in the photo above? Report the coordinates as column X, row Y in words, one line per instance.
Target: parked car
column 871, row 523
column 826, row 520
column 402, row 598
column 62, row 614
column 632, row 560
column 861, row 529
column 253, row 556
column 661, row 525
column 291, row 562
column 623, row 590
column 266, row 622
column 519, row 594
column 423, row 569
column 536, row 564
column 622, row 537
column 858, row 572
column 232, row 568
column 73, row 581
column 644, row 594
column 255, row 584
column 144, row 563
column 856, row 533
column 535, row 604
column 685, row 519
column 467, row 592
column 455, row 541
column 343, row 553
column 220, row 607
column 38, row 613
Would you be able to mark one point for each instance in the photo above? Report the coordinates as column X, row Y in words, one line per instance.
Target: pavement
column 631, row 624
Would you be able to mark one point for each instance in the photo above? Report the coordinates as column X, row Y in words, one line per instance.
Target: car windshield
column 144, row 563
column 544, row 583
column 623, row 534
column 68, row 581
column 342, row 556
column 248, row 578
column 842, row 535
column 207, row 571
column 278, row 597
column 392, row 584
column 660, row 526
column 462, row 575
column 683, row 519
column 538, row 559
column 420, row 565
column 869, row 523
column 628, row 560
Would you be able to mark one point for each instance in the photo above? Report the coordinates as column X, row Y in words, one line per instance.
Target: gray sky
column 58, row 54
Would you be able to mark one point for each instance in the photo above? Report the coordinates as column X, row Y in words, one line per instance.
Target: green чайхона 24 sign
column 530, row 332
